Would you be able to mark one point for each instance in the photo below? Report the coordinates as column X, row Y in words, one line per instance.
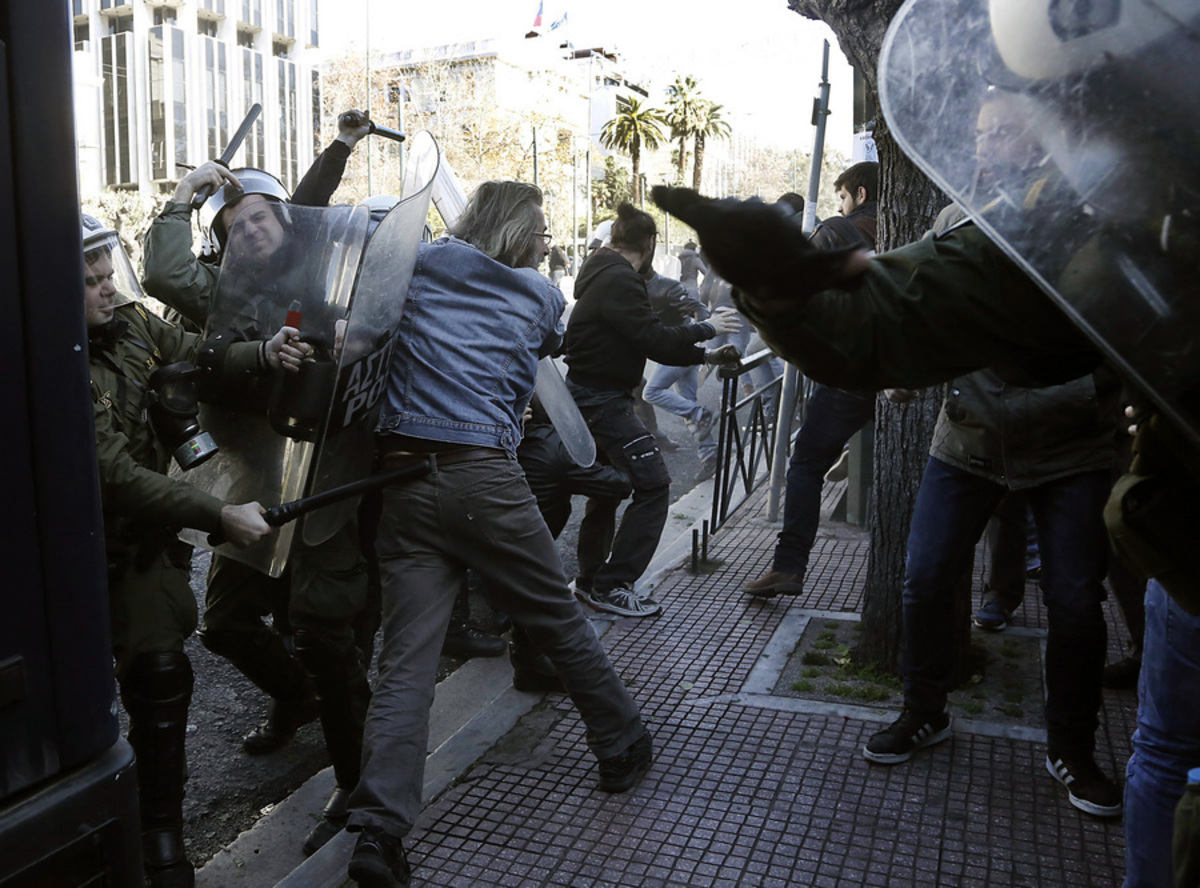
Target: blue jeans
column 1167, row 740
column 831, row 419
column 674, row 390
column 952, row 509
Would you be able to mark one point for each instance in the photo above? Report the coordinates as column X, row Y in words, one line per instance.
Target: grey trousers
column 478, row 515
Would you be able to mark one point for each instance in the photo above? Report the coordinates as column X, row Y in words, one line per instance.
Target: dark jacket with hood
column 613, row 329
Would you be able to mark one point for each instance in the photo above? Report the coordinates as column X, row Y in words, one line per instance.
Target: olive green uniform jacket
column 152, row 607
column 133, row 462
column 953, row 303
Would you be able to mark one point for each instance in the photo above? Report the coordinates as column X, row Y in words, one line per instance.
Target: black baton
column 285, row 512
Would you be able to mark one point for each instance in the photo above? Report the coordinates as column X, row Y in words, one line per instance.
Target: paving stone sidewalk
column 753, row 789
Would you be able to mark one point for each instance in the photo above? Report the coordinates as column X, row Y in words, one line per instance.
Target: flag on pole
column 561, row 23
column 537, row 19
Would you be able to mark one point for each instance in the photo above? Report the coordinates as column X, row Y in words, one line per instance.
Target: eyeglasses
column 545, row 235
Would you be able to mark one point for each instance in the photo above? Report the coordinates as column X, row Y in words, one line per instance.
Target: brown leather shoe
column 775, row 582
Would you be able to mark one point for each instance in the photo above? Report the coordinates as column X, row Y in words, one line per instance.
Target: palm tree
column 686, row 106
column 636, row 126
column 710, row 126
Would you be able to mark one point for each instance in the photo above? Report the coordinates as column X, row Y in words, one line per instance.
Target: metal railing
column 746, row 436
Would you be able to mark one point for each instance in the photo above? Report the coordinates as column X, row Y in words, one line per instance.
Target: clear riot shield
column 1068, row 136
column 556, row 399
column 292, row 265
column 366, row 349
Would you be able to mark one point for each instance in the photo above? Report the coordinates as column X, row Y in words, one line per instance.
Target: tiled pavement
column 748, row 789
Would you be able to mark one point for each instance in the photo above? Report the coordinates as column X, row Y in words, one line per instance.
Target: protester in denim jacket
column 477, row 318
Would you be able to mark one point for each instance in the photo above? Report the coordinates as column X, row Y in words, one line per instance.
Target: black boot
column 156, row 689
column 333, row 820
column 264, row 659
column 343, row 695
column 283, row 719
column 463, row 641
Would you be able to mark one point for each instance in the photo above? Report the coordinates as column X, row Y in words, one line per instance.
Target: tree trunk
column 682, row 158
column 698, row 161
column 636, row 156
column 908, row 204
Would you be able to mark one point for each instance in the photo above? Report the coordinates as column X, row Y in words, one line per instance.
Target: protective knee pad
column 156, row 689
column 156, row 679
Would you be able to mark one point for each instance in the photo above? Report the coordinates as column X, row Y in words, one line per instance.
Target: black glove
column 754, row 245
column 725, row 356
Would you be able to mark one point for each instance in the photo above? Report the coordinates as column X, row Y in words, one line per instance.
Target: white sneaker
column 623, row 601
column 840, row 469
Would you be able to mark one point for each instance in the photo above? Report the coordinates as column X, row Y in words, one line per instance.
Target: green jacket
column 952, row 304
column 1022, row 436
column 172, row 273
column 922, row 314
column 137, row 495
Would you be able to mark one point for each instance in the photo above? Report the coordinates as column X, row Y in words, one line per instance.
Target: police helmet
column 1050, row 39
column 97, row 238
column 213, row 226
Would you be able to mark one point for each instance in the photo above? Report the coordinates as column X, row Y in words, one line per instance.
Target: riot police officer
column 268, row 270
column 144, row 408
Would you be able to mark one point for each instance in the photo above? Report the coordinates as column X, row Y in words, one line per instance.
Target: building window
column 216, row 109
column 82, row 35
column 77, row 8
column 179, row 96
column 285, row 18
column 216, row 7
column 164, row 15
column 280, row 48
column 120, row 24
column 314, row 37
column 252, row 92
column 250, row 12
column 160, row 84
column 118, row 139
column 115, row 4
column 168, row 101
column 245, row 39
column 287, row 122
column 206, row 27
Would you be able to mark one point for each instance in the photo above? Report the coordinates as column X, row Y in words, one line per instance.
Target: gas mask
column 171, row 402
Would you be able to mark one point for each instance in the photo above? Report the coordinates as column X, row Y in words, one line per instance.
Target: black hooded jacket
column 613, row 329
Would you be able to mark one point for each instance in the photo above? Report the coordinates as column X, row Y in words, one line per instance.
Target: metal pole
column 535, row 169
column 370, row 185
column 400, row 127
column 791, row 381
column 574, row 263
column 587, row 185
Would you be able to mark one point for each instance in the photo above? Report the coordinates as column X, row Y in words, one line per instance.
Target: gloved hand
column 755, row 247
column 725, row 356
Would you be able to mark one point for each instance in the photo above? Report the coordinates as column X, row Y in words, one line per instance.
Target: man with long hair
column 478, row 318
